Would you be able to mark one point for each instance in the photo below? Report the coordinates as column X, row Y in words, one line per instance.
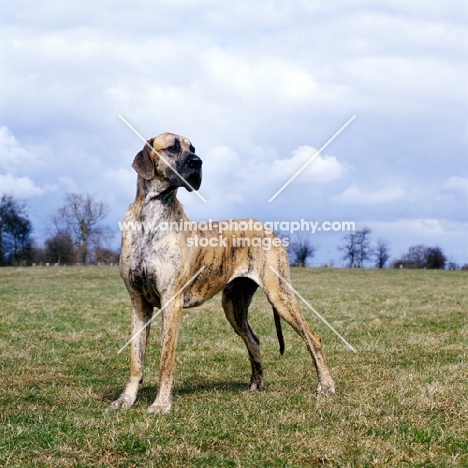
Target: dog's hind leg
column 237, row 296
column 284, row 302
column 142, row 312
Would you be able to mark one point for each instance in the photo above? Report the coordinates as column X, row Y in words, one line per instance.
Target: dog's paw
column 124, row 401
column 325, row 389
column 256, row 387
column 160, row 408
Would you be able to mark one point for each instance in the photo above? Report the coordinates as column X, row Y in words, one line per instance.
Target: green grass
column 400, row 401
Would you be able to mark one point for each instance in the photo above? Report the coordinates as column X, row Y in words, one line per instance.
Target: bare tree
column 356, row 249
column 81, row 217
column 416, row 256
column 381, row 253
column 364, row 250
column 349, row 250
column 302, row 249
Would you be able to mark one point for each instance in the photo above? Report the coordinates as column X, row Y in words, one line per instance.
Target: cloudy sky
column 257, row 87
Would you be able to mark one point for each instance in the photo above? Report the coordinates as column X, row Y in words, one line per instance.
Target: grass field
column 400, row 401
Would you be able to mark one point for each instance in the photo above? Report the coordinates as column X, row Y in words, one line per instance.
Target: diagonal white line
column 161, row 309
column 159, row 154
column 311, row 159
column 313, row 310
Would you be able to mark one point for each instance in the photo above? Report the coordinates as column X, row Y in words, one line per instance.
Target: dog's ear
column 143, row 164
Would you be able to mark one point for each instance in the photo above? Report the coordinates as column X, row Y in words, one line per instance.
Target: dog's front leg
column 170, row 328
column 142, row 312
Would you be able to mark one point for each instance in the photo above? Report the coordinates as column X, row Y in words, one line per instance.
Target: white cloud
column 426, row 227
column 270, row 170
column 124, row 180
column 256, row 79
column 356, row 196
column 16, row 161
column 12, row 155
column 320, row 169
column 221, row 181
column 458, row 184
column 22, row 187
column 222, row 160
column 68, row 183
column 407, row 230
column 227, row 175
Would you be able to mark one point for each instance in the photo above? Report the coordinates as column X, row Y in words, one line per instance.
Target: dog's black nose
column 194, row 162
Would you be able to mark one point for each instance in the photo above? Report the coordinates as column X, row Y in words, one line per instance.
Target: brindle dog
column 155, row 265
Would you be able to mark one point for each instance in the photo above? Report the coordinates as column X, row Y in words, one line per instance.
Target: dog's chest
column 145, row 283
column 152, row 264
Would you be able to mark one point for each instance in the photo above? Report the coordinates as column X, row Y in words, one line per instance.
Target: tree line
column 77, row 233
column 358, row 251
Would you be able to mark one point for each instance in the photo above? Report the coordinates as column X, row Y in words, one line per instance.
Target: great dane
column 156, row 265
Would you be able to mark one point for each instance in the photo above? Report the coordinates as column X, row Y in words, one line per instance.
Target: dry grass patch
column 401, row 400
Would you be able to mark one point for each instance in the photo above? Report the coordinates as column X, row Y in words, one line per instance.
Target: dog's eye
column 192, row 148
column 175, row 148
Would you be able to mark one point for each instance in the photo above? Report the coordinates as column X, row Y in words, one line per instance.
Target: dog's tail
column 279, row 331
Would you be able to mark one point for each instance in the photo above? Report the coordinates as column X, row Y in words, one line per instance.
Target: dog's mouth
column 192, row 172
column 194, row 180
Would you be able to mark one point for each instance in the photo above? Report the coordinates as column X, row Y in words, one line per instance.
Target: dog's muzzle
column 192, row 172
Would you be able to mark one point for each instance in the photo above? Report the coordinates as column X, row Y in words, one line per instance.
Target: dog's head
column 170, row 161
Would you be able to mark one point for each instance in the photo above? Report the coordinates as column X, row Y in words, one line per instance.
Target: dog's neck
column 149, row 189
column 154, row 202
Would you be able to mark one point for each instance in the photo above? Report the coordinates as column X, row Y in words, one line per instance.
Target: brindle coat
column 156, row 264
